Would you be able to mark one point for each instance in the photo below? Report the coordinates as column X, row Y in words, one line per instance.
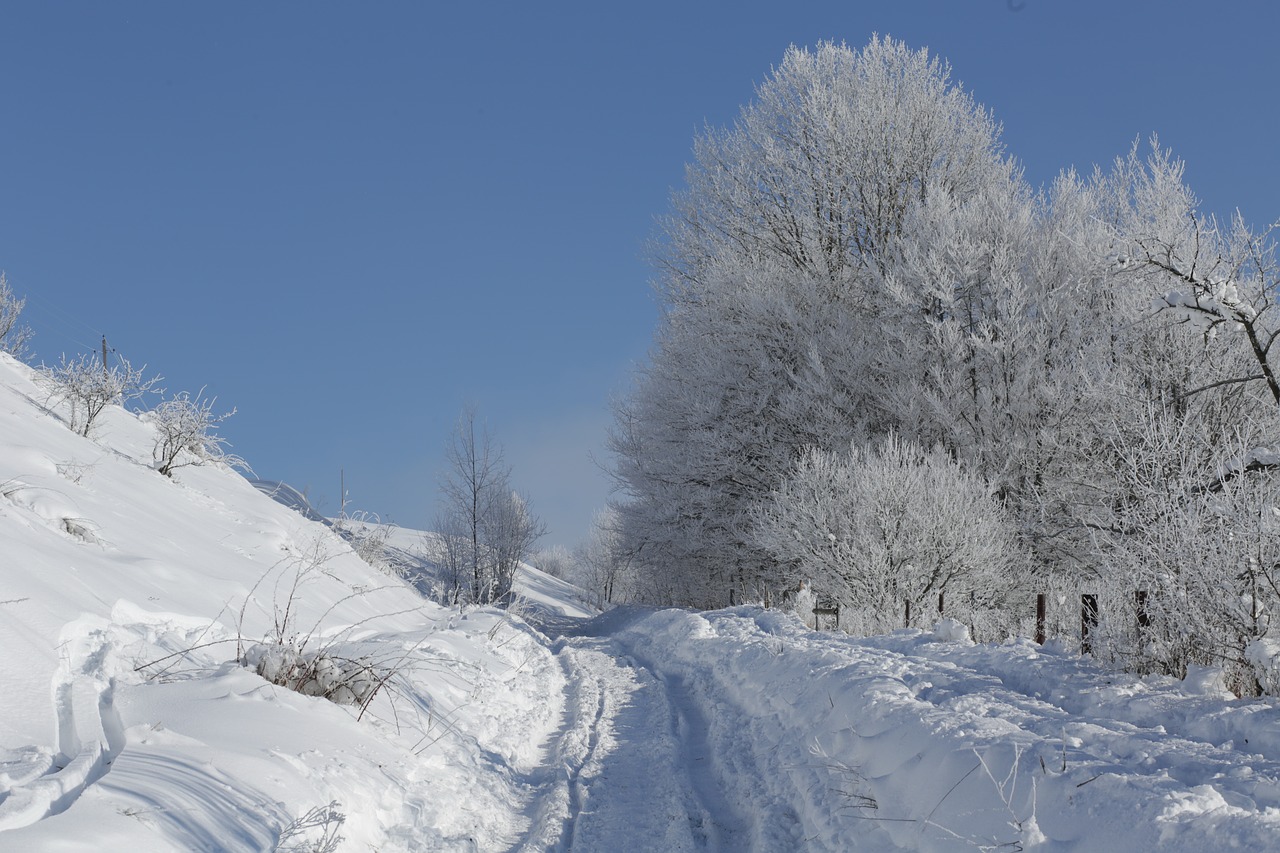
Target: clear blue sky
column 349, row 220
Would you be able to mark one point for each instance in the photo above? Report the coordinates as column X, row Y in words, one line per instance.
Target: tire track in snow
column 574, row 747
column 721, row 826
column 640, row 769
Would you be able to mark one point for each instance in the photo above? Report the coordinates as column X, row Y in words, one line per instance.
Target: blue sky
column 350, row 220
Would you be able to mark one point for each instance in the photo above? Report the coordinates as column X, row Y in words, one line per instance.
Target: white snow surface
column 126, row 722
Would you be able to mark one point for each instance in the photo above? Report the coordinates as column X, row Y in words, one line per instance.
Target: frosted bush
column 342, row 680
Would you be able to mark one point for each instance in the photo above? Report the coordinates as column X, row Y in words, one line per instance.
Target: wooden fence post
column 1040, row 618
column 1088, row 621
column 1140, row 605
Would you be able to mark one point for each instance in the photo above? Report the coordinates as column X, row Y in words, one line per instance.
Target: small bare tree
column 510, row 531
column 487, row 528
column 13, row 338
column 185, row 434
column 605, row 567
column 88, row 386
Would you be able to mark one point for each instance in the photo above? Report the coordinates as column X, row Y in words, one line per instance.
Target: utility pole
column 105, row 369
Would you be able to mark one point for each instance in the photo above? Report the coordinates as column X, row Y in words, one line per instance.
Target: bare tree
column 487, row 527
column 605, row 568
column 510, row 531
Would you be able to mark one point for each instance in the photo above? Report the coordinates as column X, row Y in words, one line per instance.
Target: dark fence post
column 906, row 619
column 1040, row 618
column 1140, row 605
column 1088, row 621
column 942, row 610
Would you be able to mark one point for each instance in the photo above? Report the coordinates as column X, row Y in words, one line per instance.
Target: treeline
column 889, row 367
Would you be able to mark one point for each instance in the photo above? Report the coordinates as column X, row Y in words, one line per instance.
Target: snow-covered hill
column 127, row 722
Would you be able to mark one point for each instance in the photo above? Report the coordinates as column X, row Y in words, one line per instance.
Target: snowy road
column 741, row 731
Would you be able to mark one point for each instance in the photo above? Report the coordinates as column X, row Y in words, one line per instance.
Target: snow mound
column 951, row 631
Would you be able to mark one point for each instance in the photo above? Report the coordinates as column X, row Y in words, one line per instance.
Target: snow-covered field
column 126, row 722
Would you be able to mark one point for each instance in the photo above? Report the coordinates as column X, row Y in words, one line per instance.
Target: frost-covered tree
column 1196, row 544
column 87, row 386
column 185, row 433
column 854, row 259
column 892, row 532
column 1171, row 478
column 510, row 531
column 603, row 565
column 14, row 338
column 820, row 170
column 487, row 529
column 556, row 561
column 773, row 264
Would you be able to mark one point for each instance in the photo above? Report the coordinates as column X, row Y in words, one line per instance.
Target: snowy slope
column 106, row 566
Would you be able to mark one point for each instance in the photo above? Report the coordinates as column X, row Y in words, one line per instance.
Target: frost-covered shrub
column 1264, row 656
column 370, row 538
column 185, row 434
column 302, row 657
column 87, row 386
column 886, row 529
column 802, row 604
column 339, row 679
column 13, row 337
column 314, row 832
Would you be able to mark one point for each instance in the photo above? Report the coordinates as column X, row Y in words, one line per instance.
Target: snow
column 127, row 600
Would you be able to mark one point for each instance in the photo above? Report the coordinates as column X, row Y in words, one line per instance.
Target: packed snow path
column 640, row 769
column 741, row 731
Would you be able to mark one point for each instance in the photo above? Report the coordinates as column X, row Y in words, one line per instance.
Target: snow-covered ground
column 126, row 722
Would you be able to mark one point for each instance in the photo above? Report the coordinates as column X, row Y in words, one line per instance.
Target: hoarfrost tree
column 14, row 338
column 1216, row 279
column 185, row 434
column 1185, row 438
column 487, row 528
column 604, row 567
column 556, row 561
column 820, row 171
column 773, row 264
column 894, row 533
column 510, row 531
column 87, row 387
column 1197, row 543
column 854, row 259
